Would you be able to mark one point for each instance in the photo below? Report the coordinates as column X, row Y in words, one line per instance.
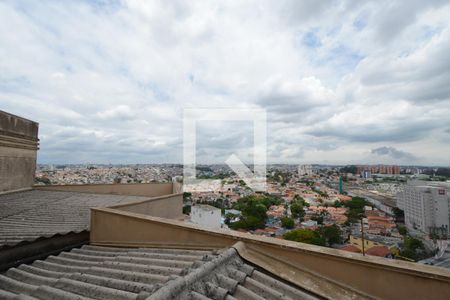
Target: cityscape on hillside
column 317, row 204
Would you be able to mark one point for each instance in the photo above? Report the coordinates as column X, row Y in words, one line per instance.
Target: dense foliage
column 444, row 172
column 297, row 210
column 215, row 176
column 187, row 196
column 324, row 236
column 402, row 230
column 355, row 208
column 44, row 180
column 398, row 214
column 331, row 234
column 187, row 209
column 253, row 209
column 321, row 194
column 287, row 223
column 318, row 217
column 307, row 236
column 348, row 169
column 413, row 249
column 297, row 205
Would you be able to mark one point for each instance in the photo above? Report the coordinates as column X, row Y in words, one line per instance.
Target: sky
column 342, row 82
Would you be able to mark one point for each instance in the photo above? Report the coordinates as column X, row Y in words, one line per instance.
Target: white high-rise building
column 305, row 170
column 426, row 205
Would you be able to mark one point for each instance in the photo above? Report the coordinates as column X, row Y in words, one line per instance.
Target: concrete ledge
column 15, row 142
column 16, row 191
column 129, row 204
column 168, row 206
column 308, row 280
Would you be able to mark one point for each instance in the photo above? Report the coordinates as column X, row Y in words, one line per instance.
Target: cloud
column 396, row 17
column 108, row 80
column 393, row 153
column 294, row 96
column 121, row 112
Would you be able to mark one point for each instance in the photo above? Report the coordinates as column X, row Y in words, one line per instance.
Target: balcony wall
column 331, row 273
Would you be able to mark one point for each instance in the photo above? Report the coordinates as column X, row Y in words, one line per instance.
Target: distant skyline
column 343, row 82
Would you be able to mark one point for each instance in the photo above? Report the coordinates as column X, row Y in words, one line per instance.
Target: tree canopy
column 254, row 209
column 305, row 236
column 331, row 234
column 287, row 223
column 413, row 248
column 355, row 208
column 348, row 169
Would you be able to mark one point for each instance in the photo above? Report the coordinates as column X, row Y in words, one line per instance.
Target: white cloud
column 108, row 80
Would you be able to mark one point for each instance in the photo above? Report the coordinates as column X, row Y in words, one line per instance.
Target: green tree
column 348, row 169
column 300, row 200
column 253, row 210
column 269, row 200
column 297, row 210
column 305, row 236
column 187, row 196
column 398, row 213
column 229, row 217
column 256, row 209
column 287, row 222
column 266, row 200
column 187, row 209
column 44, row 180
column 319, row 217
column 248, row 222
column 445, row 172
column 355, row 208
column 337, row 203
column 413, row 248
column 242, row 183
column 402, row 230
column 331, row 234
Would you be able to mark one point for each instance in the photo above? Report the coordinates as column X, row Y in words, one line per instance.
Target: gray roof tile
column 29, row 215
column 94, row 272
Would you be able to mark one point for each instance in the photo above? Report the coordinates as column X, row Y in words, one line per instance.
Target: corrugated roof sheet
column 93, row 272
column 27, row 216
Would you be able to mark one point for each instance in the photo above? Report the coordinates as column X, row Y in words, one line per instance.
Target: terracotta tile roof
column 350, row 248
column 381, row 251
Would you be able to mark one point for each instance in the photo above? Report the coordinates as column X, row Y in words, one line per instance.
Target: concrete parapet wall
column 17, row 168
column 331, row 273
column 169, row 206
column 131, row 189
column 18, row 147
column 19, row 127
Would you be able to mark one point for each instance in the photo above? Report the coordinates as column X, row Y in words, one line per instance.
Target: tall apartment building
column 426, row 205
column 378, row 169
column 305, row 170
